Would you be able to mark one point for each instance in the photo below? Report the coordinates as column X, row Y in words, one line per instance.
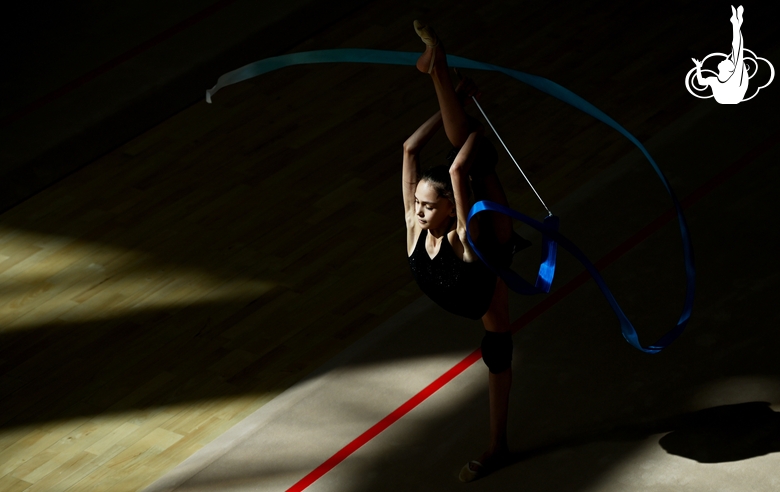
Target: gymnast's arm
column 702, row 81
column 411, row 167
column 459, row 174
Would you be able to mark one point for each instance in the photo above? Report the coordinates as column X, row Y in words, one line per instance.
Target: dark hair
column 451, row 157
column 439, row 179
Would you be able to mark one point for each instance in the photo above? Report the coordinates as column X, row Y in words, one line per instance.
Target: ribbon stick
column 549, row 228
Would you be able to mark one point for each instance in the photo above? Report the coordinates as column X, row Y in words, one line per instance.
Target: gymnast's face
column 433, row 211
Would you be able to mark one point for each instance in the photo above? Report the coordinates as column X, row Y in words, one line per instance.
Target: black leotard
column 461, row 288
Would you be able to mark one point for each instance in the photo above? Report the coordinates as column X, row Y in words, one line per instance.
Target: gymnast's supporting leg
column 498, row 342
column 496, row 321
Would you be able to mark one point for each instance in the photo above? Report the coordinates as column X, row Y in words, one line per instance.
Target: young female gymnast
column 445, row 267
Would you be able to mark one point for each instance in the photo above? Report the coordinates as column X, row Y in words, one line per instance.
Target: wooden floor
column 158, row 296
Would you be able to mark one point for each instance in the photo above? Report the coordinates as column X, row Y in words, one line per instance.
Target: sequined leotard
column 461, row 288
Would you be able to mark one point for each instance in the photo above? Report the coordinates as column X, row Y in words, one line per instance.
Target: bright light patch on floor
column 51, row 280
column 742, row 389
column 313, row 420
column 67, row 452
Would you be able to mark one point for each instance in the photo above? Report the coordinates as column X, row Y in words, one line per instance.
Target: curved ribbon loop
column 629, row 332
column 548, row 229
column 549, row 254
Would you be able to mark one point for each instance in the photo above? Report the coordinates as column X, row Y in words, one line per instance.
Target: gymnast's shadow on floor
column 726, row 433
column 714, row 435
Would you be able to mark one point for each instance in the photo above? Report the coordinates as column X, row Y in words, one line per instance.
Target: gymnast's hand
column 466, row 89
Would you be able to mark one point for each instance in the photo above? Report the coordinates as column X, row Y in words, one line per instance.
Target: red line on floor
column 128, row 55
column 386, row 422
column 535, row 312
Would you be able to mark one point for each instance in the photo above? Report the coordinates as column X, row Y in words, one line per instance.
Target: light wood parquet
column 157, row 297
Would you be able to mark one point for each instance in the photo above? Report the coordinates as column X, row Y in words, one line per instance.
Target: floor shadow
column 159, row 357
column 727, row 433
column 713, row 435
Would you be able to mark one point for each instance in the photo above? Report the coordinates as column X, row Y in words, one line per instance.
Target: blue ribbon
column 549, row 253
column 550, row 231
column 550, row 227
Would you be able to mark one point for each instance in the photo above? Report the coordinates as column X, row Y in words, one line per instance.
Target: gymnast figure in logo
column 731, row 84
column 735, row 70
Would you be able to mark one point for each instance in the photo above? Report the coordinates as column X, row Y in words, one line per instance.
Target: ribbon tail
column 551, row 232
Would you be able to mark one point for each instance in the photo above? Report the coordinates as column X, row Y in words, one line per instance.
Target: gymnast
column 436, row 204
column 731, row 84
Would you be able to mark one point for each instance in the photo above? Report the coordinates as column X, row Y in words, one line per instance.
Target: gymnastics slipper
column 426, row 33
column 467, row 474
column 474, row 469
column 429, row 38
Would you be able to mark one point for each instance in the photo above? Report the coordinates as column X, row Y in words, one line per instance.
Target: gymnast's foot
column 434, row 52
column 736, row 15
column 489, row 462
